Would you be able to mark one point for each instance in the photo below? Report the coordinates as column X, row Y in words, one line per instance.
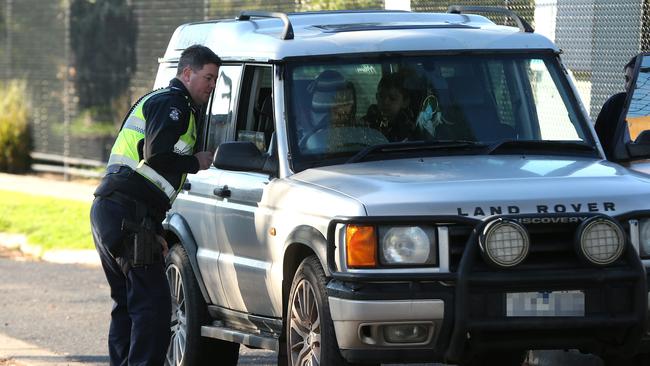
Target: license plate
column 552, row 303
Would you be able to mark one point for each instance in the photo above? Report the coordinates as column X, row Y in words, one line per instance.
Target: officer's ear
column 186, row 74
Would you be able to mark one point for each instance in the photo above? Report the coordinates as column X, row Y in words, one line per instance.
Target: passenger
column 392, row 115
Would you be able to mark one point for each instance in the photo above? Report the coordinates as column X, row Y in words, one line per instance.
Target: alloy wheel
column 305, row 330
column 178, row 342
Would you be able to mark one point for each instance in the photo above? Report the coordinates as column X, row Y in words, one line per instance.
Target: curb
column 19, row 242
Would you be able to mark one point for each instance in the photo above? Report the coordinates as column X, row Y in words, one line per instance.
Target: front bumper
column 611, row 324
column 358, row 322
column 467, row 310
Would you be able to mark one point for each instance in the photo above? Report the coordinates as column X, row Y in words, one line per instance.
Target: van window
column 223, row 102
column 255, row 122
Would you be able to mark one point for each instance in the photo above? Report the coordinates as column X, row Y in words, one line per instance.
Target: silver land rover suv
column 402, row 187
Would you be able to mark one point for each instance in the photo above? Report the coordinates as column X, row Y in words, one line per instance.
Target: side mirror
column 637, row 150
column 643, row 138
column 240, row 156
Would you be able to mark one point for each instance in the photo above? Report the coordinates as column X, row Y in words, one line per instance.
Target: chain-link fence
column 76, row 109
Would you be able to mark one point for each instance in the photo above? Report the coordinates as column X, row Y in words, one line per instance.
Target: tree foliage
column 315, row 5
column 228, row 8
column 102, row 38
column 14, row 127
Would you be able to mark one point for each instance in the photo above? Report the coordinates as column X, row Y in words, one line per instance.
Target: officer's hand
column 205, row 159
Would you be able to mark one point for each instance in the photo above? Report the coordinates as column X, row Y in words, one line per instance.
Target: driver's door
column 243, row 234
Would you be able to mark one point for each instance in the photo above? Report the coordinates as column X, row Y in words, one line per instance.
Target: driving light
column 407, row 333
column 361, row 246
column 407, row 245
column 601, row 241
column 644, row 237
column 504, row 243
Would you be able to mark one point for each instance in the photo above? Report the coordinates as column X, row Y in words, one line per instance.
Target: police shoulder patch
column 174, row 113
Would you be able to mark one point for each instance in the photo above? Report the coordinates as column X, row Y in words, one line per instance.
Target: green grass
column 51, row 223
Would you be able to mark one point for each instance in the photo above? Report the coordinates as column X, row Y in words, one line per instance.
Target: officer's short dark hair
column 196, row 57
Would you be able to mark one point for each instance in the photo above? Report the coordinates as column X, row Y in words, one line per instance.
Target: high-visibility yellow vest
column 125, row 149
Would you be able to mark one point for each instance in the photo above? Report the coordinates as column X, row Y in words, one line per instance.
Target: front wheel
column 189, row 312
column 310, row 332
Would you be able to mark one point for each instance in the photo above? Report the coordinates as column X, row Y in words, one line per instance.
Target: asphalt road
column 65, row 308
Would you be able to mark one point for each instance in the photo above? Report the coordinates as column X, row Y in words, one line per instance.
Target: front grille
column 551, row 247
column 458, row 237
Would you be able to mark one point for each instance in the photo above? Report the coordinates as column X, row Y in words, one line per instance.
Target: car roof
column 351, row 32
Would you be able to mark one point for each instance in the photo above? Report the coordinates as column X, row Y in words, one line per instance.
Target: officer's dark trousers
column 140, row 320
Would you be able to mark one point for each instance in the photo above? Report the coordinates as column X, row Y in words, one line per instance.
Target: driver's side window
column 255, row 122
column 221, row 109
column 637, row 113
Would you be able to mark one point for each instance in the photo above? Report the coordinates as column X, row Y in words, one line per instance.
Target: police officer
column 150, row 159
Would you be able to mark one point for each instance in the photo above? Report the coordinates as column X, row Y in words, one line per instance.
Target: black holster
column 146, row 249
column 142, row 247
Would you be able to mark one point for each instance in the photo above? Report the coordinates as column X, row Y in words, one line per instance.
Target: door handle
column 222, row 192
column 187, row 186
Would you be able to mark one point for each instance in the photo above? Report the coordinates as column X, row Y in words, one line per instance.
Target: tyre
column 310, row 337
column 189, row 312
column 310, row 331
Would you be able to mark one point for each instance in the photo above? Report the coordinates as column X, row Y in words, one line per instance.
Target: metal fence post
column 66, row 91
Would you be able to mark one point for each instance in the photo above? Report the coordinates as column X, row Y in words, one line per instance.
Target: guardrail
column 68, row 166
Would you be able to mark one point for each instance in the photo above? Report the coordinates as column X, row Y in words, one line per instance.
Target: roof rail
column 523, row 25
column 288, row 28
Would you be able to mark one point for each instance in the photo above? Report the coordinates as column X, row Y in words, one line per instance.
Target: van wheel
column 189, row 312
column 310, row 334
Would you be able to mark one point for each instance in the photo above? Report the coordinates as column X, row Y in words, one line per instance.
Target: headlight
column 407, row 245
column 600, row 240
column 504, row 243
column 644, row 237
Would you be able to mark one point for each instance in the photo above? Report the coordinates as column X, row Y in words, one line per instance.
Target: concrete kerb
column 53, row 188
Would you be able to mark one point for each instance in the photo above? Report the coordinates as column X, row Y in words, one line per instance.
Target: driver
column 333, row 110
column 333, row 101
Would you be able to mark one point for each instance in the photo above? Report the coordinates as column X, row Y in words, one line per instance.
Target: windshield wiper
column 539, row 145
column 408, row 146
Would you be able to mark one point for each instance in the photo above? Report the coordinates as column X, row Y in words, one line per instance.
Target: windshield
column 338, row 108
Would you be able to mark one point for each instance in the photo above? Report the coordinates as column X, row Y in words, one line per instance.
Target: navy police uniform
column 149, row 161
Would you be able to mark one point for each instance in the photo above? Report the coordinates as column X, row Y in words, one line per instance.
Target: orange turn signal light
column 361, row 246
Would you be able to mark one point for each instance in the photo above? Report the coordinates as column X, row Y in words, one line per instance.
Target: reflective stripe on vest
column 125, row 149
column 147, row 172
